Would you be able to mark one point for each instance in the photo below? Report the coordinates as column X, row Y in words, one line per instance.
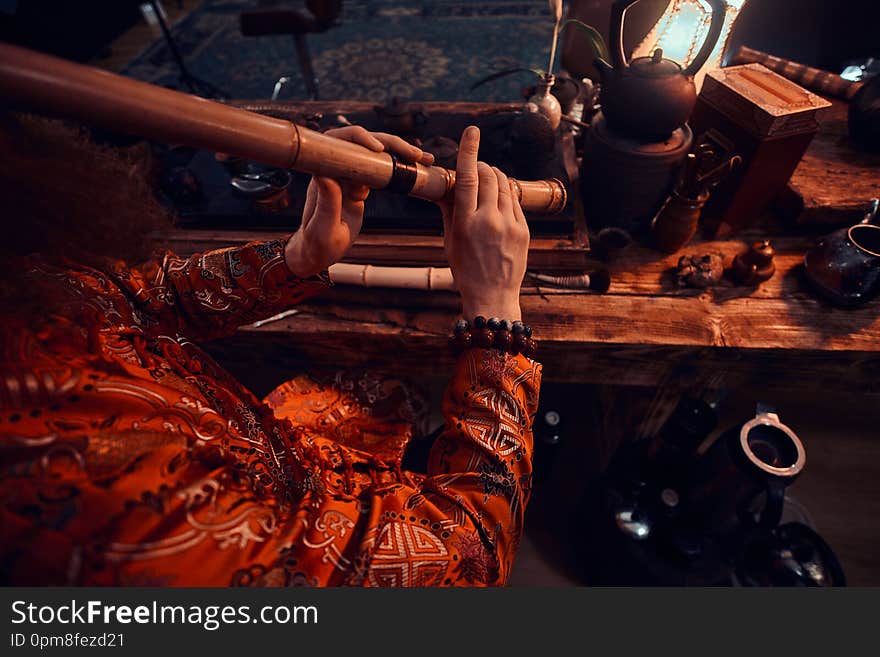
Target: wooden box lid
column 762, row 101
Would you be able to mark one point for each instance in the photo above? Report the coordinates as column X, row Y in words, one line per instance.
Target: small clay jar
column 754, row 266
column 676, row 222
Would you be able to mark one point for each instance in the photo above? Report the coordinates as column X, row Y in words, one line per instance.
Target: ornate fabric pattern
column 129, row 457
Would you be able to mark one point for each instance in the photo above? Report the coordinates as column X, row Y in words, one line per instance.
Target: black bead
column 483, row 338
column 503, row 340
column 506, row 325
column 494, row 323
column 518, row 327
column 462, row 325
column 479, row 322
column 462, row 340
column 527, row 330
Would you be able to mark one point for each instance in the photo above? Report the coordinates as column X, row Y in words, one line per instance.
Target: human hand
column 486, row 237
column 334, row 211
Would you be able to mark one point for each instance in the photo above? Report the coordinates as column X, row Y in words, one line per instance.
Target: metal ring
column 403, row 176
column 558, row 196
column 788, row 471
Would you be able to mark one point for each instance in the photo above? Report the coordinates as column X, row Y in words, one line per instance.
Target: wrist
column 508, row 309
column 296, row 259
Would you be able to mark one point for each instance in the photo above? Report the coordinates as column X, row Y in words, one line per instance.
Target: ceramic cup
column 844, row 267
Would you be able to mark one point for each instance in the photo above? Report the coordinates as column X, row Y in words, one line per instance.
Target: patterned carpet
column 429, row 50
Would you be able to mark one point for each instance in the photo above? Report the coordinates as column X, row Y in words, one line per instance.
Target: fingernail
column 472, row 132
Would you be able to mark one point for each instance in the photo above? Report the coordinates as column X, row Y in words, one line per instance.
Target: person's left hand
column 334, row 211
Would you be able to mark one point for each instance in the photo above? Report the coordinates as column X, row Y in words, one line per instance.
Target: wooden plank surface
column 561, row 253
column 644, row 331
column 312, row 340
column 834, row 181
column 305, row 107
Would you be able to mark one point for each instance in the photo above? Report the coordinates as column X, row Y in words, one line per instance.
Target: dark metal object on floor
column 793, row 554
column 665, row 515
column 740, row 481
column 548, row 428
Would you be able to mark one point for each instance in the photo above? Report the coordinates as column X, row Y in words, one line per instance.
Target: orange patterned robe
column 129, row 457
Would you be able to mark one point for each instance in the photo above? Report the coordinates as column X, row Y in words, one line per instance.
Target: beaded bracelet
column 502, row 334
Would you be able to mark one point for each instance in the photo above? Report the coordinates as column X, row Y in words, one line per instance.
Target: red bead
column 483, row 338
column 520, row 343
column 503, row 340
column 532, row 348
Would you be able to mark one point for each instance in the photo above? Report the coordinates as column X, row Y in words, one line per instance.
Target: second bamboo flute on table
column 34, row 81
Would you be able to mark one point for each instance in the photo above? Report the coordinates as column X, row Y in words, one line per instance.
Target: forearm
column 483, row 458
column 463, row 523
column 209, row 295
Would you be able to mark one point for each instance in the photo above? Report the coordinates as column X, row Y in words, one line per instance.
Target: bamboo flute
column 38, row 82
column 410, row 278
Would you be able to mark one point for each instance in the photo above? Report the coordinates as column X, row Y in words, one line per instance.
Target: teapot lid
column 654, row 66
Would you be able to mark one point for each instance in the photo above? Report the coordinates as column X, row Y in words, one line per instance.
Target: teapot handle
column 719, row 9
column 618, row 11
column 615, row 34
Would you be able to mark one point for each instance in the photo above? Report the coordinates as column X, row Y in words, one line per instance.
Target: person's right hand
column 486, row 237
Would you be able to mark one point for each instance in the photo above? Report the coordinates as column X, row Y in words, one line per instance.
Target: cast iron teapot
column 650, row 97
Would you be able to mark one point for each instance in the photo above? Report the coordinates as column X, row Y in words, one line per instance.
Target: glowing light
column 680, row 32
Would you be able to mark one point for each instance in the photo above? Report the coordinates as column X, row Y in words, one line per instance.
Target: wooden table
column 645, row 331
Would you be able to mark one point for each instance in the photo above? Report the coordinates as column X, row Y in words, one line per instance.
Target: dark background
column 816, row 32
column 73, row 29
